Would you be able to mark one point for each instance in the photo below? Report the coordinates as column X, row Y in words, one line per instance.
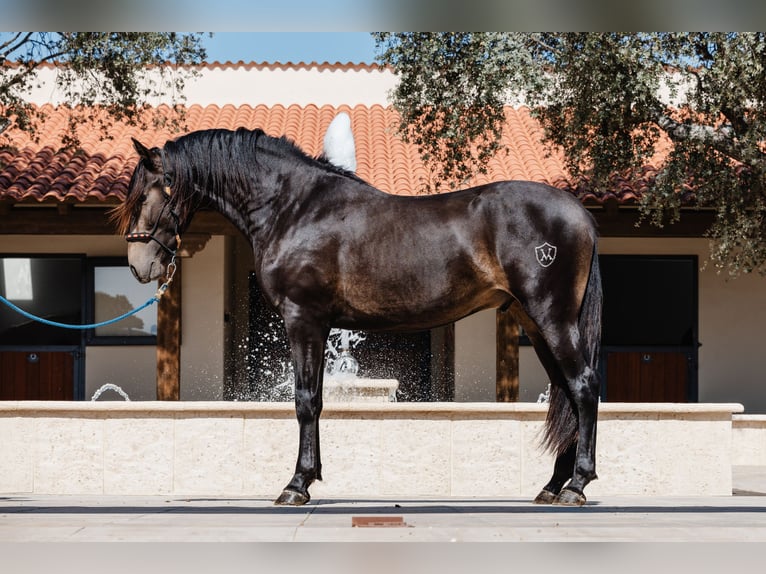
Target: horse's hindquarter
column 545, row 240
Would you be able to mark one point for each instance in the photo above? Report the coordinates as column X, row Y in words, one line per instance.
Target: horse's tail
column 561, row 421
column 589, row 322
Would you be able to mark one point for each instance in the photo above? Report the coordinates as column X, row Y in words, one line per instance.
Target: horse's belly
column 417, row 312
column 444, row 273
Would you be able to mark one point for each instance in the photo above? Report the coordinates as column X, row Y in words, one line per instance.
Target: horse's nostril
column 134, row 272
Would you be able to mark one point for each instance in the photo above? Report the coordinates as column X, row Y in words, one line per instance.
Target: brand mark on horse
column 546, row 254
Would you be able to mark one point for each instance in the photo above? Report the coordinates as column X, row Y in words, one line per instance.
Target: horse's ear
column 142, row 150
column 152, row 156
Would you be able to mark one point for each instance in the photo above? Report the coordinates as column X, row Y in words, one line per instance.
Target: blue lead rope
column 21, row 311
column 170, row 273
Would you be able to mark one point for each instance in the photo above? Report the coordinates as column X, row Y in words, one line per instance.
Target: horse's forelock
column 122, row 215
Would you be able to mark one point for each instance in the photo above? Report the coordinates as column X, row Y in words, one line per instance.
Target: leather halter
column 145, row 237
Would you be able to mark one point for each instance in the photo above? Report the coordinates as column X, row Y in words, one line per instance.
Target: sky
column 383, row 15
column 271, row 47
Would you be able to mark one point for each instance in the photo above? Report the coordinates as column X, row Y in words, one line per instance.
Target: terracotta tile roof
column 255, row 66
column 335, row 67
column 100, row 172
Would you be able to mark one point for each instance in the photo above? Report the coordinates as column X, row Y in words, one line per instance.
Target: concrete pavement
column 737, row 518
column 164, row 535
column 153, row 519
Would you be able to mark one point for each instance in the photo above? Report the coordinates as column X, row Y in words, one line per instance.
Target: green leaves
column 451, row 95
column 121, row 71
column 607, row 100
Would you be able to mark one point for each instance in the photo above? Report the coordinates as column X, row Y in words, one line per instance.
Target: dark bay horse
column 332, row 251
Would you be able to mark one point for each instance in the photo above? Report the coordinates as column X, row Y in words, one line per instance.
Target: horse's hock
column 375, row 449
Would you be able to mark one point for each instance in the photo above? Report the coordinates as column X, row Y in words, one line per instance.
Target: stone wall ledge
column 382, row 408
column 755, row 420
column 748, row 441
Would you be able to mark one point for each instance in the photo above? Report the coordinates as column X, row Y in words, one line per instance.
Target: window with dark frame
column 47, row 286
column 114, row 291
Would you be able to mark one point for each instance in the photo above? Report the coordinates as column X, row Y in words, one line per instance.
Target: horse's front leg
column 307, row 343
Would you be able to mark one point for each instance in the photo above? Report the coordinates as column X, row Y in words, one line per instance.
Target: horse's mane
column 215, row 160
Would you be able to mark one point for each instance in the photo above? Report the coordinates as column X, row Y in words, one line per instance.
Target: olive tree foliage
column 607, row 101
column 116, row 70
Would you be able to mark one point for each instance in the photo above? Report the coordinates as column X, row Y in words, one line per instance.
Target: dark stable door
column 650, row 377
column 36, row 375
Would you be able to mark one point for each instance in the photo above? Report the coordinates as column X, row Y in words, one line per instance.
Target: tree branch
column 25, row 70
column 722, row 139
column 535, row 38
column 13, row 47
column 9, row 42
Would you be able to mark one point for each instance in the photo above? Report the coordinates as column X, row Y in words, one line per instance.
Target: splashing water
column 110, row 387
column 338, row 358
column 545, row 397
column 274, row 380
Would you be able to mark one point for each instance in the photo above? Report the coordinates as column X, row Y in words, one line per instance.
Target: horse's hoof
column 545, row 497
column 568, row 497
column 292, row 498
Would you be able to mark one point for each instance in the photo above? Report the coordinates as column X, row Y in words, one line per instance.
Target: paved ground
column 741, row 517
column 162, row 535
column 139, row 519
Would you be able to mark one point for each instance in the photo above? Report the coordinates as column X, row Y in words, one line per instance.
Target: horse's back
column 446, row 256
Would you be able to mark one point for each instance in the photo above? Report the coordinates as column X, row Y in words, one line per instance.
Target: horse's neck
column 254, row 207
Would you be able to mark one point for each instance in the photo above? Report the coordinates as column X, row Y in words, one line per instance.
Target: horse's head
column 148, row 217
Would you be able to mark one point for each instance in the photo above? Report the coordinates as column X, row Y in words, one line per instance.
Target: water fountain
column 109, row 387
column 338, row 359
column 545, row 396
column 341, row 382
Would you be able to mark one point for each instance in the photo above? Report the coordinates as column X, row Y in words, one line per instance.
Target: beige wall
column 732, row 315
column 379, row 449
column 265, row 85
column 475, row 357
column 202, row 326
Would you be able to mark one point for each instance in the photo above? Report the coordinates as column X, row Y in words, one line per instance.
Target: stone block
column 17, row 466
column 486, row 457
column 68, row 455
column 138, row 455
column 208, row 458
column 417, row 459
column 270, row 448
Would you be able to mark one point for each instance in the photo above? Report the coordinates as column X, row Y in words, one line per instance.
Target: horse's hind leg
column 562, row 472
column 578, row 455
column 571, row 425
column 307, row 341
